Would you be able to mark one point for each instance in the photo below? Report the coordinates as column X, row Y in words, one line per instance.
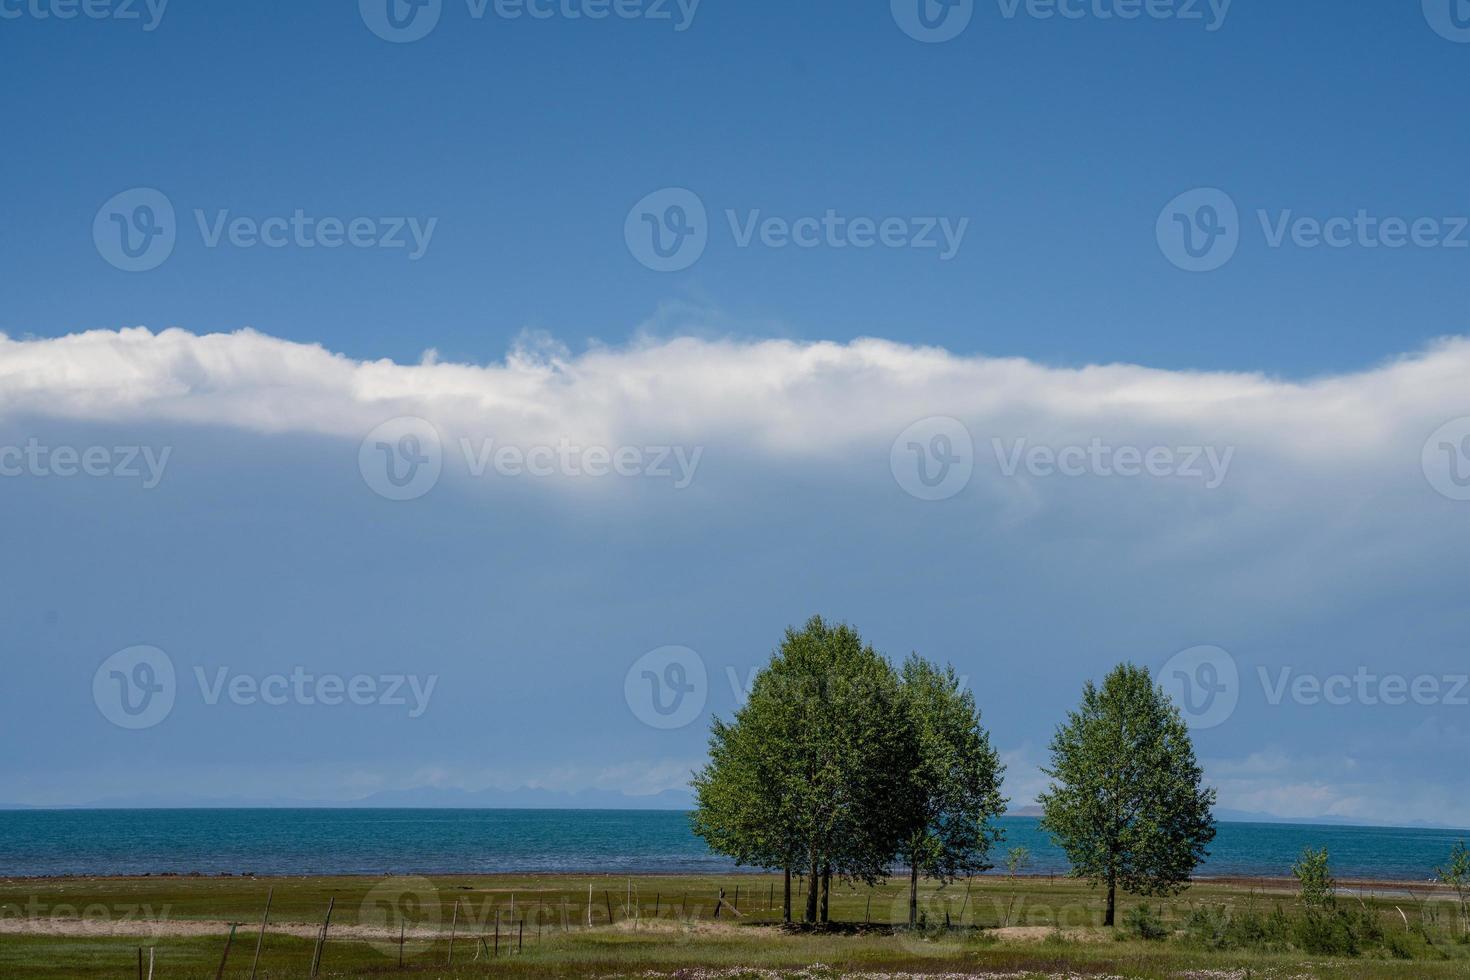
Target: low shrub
column 1144, row 923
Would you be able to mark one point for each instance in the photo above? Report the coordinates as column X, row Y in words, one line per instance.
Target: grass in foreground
column 93, row 928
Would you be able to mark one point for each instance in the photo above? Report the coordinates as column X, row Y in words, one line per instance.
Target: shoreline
column 1268, row 882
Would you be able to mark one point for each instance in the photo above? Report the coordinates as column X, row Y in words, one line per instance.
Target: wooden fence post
column 260, row 939
column 228, row 940
column 453, row 926
column 321, row 942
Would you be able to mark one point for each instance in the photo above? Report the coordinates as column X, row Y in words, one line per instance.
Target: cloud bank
column 778, row 397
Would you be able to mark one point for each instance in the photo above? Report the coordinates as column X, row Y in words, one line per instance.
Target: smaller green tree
column 1456, row 874
column 953, row 794
column 1018, row 859
column 1127, row 801
column 1313, row 872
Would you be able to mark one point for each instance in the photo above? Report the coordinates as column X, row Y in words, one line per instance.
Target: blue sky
column 512, row 157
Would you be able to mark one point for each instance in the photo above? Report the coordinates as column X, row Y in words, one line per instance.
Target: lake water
column 361, row 841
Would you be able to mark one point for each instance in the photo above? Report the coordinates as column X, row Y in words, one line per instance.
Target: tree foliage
column 1127, row 802
column 1313, row 872
column 954, row 785
column 1456, row 874
column 807, row 775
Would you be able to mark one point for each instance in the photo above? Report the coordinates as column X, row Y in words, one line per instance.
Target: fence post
column 260, row 940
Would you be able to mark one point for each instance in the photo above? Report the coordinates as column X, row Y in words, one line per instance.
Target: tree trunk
column 826, row 891
column 786, row 898
column 1112, row 904
column 811, row 893
column 913, row 893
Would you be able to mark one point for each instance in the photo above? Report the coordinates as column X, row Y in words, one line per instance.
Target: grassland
column 667, row 927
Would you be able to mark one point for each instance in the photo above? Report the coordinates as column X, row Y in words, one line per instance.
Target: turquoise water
column 358, row 841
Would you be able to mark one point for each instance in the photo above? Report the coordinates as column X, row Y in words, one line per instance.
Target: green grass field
column 666, row 927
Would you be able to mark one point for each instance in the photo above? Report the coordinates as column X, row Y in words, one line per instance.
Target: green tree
column 1313, row 872
column 741, row 810
column 954, row 787
column 1017, row 860
column 1126, row 801
column 807, row 774
column 1456, row 874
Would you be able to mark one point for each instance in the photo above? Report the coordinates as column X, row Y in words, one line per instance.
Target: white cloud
column 781, row 397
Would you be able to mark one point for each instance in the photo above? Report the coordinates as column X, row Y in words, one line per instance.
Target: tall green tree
column 807, row 774
column 954, row 787
column 1127, row 801
column 741, row 811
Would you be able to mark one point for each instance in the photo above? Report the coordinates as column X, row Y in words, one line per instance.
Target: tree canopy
column 1127, row 802
column 838, row 764
column 835, row 765
column 954, row 786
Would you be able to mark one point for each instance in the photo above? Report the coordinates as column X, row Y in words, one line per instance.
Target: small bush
column 1143, row 922
column 1328, row 933
column 1208, row 926
column 1399, row 946
column 1220, row 927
